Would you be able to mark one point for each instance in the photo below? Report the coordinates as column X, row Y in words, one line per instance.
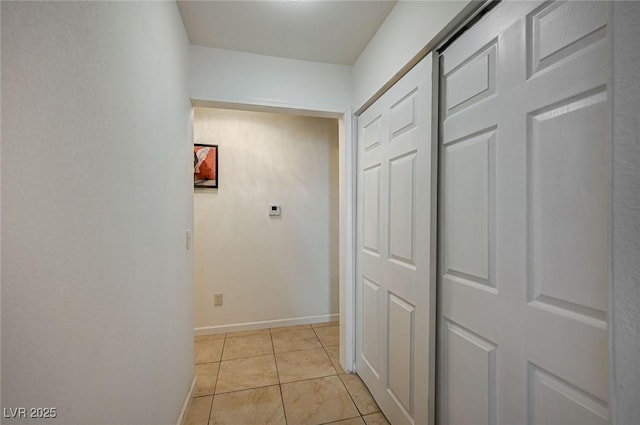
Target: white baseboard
column 208, row 330
column 186, row 404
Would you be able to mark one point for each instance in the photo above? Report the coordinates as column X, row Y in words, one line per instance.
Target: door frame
column 347, row 149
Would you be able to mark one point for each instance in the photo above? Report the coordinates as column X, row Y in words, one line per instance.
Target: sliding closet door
column 394, row 268
column 524, row 221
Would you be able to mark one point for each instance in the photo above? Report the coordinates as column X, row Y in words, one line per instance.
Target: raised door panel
column 470, row 377
column 400, row 362
column 402, row 179
column 552, row 400
column 468, row 176
column 402, row 115
column 371, row 218
column 569, row 180
column 370, row 325
column 558, row 30
column 472, row 81
column 372, row 133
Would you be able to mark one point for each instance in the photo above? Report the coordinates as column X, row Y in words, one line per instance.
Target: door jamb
column 348, row 157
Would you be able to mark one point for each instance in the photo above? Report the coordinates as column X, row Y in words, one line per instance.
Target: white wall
column 407, row 29
column 97, row 316
column 625, row 302
column 247, row 78
column 268, row 268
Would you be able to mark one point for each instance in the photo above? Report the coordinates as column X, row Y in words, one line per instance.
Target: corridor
column 279, row 376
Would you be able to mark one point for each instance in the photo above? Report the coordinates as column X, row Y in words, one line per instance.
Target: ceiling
column 328, row 31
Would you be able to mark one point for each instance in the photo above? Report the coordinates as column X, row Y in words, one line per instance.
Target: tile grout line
column 273, row 385
column 350, row 396
column 341, row 420
column 248, row 389
column 215, row 386
column 210, row 408
column 325, row 350
column 244, row 358
column 318, row 336
column 341, row 381
column 275, row 360
column 327, row 353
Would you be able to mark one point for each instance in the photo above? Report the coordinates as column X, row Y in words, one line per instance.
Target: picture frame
column 205, row 166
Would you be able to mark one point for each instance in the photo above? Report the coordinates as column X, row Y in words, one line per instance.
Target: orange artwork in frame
column 205, row 165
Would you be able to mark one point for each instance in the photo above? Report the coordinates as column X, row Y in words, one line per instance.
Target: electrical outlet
column 217, row 299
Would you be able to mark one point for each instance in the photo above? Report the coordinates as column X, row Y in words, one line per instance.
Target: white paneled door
column 394, row 266
column 524, row 244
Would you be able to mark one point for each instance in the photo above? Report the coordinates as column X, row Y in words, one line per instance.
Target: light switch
column 188, row 239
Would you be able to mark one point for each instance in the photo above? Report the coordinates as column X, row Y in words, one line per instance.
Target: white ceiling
column 315, row 30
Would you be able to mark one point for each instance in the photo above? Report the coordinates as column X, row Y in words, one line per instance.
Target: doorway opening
column 266, row 239
column 273, row 240
column 327, row 214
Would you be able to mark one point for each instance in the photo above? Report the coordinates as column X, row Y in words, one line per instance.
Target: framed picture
column 205, row 165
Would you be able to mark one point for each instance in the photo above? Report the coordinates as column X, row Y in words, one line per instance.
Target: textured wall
column 97, row 316
column 268, row 268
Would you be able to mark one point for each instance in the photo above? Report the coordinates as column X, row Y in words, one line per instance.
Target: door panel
column 401, row 319
column 564, row 28
column 402, row 115
column 394, row 322
column 370, row 326
column 371, row 220
column 524, row 217
column 472, row 397
column 569, row 178
column 402, row 176
column 570, row 405
column 471, row 81
column 467, row 220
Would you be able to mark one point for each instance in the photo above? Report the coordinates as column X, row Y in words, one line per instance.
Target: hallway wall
column 268, row 268
column 96, row 281
column 248, row 78
column 407, row 29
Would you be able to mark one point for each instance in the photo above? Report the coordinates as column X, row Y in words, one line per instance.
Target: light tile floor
column 279, row 376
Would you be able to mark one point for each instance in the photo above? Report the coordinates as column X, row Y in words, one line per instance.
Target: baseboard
column 186, row 404
column 208, row 330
